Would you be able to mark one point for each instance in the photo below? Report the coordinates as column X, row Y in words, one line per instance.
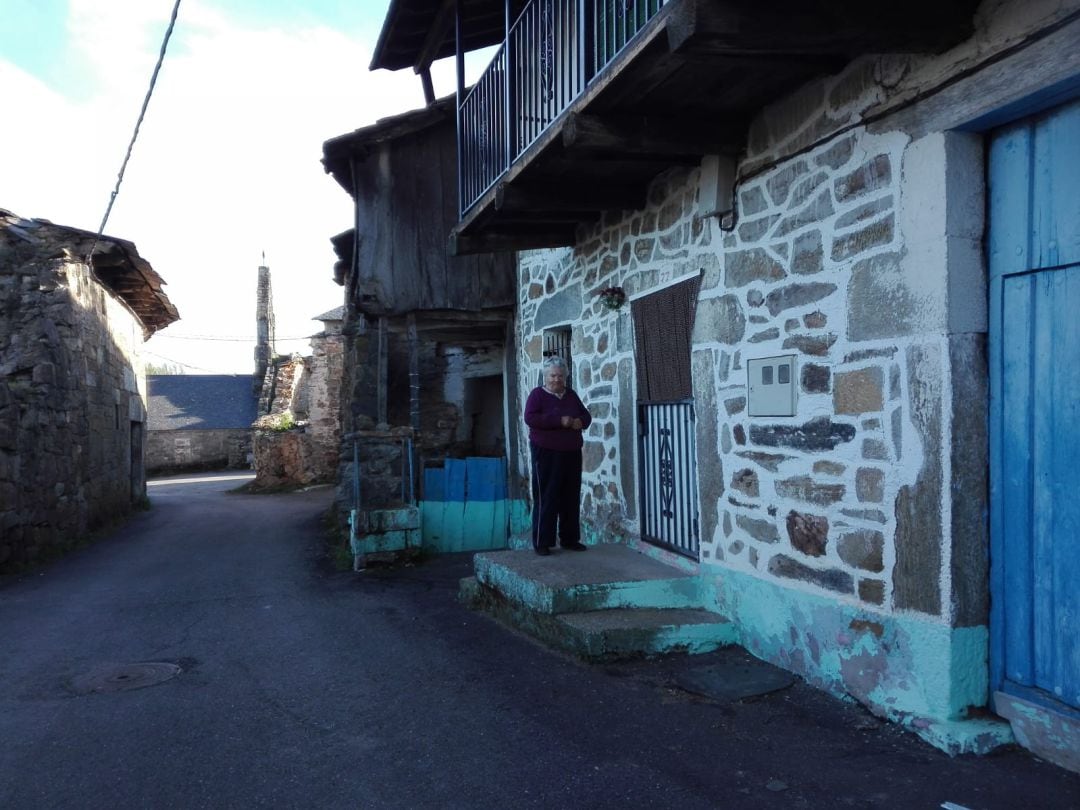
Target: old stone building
column 199, row 422
column 297, row 432
column 847, row 238
column 72, row 385
column 428, row 373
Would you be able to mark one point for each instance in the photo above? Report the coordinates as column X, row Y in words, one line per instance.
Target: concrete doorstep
column 608, row 603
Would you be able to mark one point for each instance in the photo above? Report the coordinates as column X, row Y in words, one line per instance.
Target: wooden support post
column 414, row 372
column 429, row 88
column 382, row 374
column 459, row 62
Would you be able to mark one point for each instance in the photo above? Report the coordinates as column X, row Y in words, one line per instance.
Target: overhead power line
column 138, row 124
column 224, row 338
column 177, row 362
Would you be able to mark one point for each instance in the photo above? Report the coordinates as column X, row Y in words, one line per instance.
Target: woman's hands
column 572, row 422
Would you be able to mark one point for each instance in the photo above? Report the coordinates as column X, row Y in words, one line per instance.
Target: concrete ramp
column 608, row 602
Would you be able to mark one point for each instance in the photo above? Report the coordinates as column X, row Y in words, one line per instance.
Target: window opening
column 557, row 343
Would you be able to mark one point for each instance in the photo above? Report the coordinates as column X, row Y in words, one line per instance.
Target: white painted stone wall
column 813, row 268
column 857, row 248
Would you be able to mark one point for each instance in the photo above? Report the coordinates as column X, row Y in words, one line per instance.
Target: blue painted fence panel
column 1034, row 252
column 464, row 506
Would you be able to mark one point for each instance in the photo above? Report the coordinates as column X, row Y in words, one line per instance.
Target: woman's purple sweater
column 543, row 414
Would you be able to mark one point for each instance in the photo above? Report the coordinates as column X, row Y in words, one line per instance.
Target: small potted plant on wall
column 613, row 297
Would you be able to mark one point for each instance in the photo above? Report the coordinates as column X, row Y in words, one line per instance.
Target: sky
column 226, row 167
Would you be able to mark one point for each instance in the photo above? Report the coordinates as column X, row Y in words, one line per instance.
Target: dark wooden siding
column 406, row 198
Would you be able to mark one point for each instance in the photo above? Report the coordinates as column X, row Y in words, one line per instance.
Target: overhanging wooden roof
column 338, row 151
column 116, row 263
column 419, row 31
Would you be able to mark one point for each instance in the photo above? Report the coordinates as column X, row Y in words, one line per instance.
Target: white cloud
column 227, row 162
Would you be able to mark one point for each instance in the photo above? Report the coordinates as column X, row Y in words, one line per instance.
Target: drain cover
column 124, row 677
column 734, row 680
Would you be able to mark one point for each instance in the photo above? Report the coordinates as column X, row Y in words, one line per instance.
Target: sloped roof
column 335, row 314
column 408, row 25
column 338, row 151
column 200, row 401
column 116, row 263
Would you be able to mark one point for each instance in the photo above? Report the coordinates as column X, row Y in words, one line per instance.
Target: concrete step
column 608, row 602
column 632, row 632
column 605, row 576
column 613, row 633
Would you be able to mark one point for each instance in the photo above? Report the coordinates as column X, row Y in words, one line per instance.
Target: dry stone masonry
column 71, row 407
column 845, row 496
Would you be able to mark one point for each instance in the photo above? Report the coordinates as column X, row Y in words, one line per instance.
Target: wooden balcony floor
column 687, row 86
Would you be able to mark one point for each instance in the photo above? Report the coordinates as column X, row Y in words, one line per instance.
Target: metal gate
column 667, row 455
column 668, row 487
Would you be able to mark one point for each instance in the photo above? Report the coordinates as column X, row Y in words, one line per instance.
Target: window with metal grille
column 557, row 342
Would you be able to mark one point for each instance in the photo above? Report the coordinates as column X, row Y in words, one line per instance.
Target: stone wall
column 306, row 391
column 847, row 496
column 321, row 401
column 72, row 393
column 171, row 451
column 849, row 542
column 856, row 248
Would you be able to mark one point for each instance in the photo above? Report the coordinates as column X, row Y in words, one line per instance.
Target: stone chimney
column 264, row 325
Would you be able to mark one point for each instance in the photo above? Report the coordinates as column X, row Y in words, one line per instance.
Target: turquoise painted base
column 909, row 669
column 448, row 526
column 382, row 530
column 1048, row 733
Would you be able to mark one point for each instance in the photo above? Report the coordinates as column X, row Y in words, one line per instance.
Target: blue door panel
column 1016, row 468
column 1056, row 195
column 1034, row 255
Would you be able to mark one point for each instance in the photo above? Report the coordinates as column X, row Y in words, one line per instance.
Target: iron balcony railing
column 554, row 50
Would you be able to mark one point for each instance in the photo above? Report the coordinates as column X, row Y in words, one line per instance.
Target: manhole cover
column 124, row 677
column 734, row 680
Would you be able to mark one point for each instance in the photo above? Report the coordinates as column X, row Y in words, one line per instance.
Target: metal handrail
column 554, row 50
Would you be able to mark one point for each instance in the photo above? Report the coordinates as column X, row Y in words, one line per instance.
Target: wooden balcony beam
column 501, row 241
column 436, row 36
column 573, row 202
column 794, row 27
column 653, row 138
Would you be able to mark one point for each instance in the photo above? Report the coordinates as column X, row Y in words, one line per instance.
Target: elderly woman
column 556, row 418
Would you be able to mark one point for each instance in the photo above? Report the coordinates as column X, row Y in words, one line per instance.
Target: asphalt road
column 299, row 686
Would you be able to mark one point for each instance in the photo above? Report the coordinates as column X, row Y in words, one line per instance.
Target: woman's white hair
column 554, row 360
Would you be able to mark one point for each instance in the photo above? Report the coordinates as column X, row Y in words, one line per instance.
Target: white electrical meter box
column 770, row 383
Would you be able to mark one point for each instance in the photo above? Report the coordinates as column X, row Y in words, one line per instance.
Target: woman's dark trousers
column 556, row 492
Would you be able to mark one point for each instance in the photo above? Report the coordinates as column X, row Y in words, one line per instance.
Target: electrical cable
column 177, row 362
column 135, row 134
column 227, row 339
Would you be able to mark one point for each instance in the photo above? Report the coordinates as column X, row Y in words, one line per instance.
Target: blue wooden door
column 1034, row 257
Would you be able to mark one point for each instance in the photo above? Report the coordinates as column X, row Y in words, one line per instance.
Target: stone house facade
column 72, row 383
column 815, row 269
column 199, row 422
column 849, row 541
